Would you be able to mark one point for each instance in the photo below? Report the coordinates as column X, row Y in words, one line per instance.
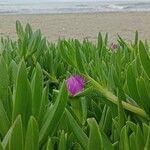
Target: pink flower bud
column 114, row 46
column 74, row 84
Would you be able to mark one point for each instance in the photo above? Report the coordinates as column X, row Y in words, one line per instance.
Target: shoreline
column 81, row 25
column 74, row 13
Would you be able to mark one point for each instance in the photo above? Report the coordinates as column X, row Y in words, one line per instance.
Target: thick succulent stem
column 114, row 99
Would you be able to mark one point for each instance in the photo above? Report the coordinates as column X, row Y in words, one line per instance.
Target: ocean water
column 40, row 7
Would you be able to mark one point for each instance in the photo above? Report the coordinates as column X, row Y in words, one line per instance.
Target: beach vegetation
column 73, row 95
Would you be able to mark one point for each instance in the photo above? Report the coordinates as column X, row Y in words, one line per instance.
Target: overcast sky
column 26, row 1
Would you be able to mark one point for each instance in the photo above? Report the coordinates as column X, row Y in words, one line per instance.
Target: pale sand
column 81, row 26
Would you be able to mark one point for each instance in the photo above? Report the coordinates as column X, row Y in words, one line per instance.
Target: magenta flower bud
column 114, row 46
column 75, row 84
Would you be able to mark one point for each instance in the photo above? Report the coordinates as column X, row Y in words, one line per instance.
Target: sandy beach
column 81, row 25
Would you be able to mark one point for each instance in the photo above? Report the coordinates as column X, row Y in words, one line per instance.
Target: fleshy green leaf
column 100, row 42
column 133, row 144
column 52, row 120
column 77, row 131
column 16, row 139
column 132, row 87
column 121, row 113
column 37, row 85
column 3, row 81
column 144, row 58
column 13, row 68
column 5, row 142
column 32, row 135
column 19, row 29
column 144, row 95
column 79, row 59
column 1, row 147
column 147, row 146
column 139, row 138
column 136, row 38
column 49, row 145
column 22, row 98
column 62, row 142
column 95, row 138
column 124, row 141
column 44, row 104
column 4, row 123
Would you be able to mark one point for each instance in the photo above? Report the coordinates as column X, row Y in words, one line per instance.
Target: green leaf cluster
column 113, row 111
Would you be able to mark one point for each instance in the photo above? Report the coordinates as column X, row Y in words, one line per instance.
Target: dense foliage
column 36, row 112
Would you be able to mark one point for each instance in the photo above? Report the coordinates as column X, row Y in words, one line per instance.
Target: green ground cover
column 36, row 112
